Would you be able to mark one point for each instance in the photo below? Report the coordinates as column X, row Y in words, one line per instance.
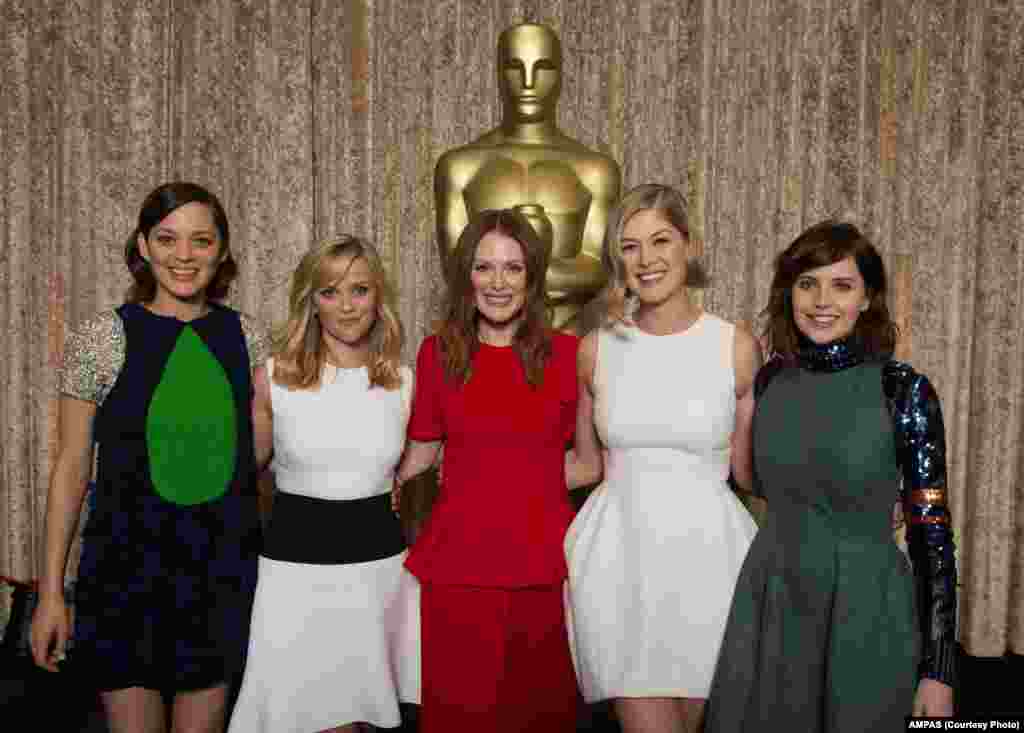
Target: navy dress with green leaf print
column 169, row 553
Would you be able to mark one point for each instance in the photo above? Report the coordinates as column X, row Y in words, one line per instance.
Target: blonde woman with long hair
column 326, row 650
column 653, row 555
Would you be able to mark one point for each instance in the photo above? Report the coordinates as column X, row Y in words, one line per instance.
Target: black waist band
column 326, row 532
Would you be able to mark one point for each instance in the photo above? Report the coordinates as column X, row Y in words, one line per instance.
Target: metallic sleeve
column 93, row 357
column 257, row 341
column 921, row 449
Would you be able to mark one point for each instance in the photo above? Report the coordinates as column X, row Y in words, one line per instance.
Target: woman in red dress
column 498, row 390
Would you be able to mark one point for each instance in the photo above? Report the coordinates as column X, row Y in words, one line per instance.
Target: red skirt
column 496, row 660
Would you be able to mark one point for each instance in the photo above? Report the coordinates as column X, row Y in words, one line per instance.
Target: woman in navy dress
column 164, row 385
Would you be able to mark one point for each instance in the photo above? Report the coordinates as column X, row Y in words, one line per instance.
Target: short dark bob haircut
column 157, row 205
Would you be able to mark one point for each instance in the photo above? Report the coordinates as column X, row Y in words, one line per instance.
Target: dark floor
column 62, row 702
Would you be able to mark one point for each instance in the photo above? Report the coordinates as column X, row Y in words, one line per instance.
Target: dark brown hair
column 458, row 336
column 822, row 245
column 157, row 205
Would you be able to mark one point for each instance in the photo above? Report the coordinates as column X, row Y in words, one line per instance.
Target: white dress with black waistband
column 335, row 636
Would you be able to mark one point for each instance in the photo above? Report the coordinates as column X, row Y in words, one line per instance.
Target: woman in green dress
column 832, row 629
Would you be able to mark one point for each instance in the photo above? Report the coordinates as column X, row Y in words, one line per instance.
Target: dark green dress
column 822, row 635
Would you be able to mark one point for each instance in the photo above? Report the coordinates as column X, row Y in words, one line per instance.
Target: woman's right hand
column 584, row 462
column 52, row 619
column 51, row 628
column 417, row 458
column 396, row 497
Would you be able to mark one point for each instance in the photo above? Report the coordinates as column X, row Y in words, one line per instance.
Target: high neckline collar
column 172, row 318
column 831, row 357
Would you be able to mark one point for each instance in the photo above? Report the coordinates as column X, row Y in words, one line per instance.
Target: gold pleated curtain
column 311, row 117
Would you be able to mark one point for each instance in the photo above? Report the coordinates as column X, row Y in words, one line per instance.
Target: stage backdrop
column 311, row 117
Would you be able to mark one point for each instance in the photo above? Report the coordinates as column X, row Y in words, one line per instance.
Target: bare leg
column 692, row 713
column 200, row 711
column 135, row 710
column 649, row 714
column 350, row 728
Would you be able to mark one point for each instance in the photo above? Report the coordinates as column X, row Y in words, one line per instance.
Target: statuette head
column 529, row 72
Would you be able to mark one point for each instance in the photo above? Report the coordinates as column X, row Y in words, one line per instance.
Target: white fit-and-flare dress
column 656, row 549
column 333, row 644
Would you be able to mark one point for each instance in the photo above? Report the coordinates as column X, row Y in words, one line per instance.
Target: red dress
column 490, row 555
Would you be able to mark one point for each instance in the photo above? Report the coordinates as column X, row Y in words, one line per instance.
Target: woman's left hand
column 898, row 519
column 934, row 699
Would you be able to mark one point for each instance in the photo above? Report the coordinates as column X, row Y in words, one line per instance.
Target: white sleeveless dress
column 333, row 644
column 656, row 549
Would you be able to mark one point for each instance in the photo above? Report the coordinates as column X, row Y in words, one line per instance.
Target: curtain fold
column 312, row 118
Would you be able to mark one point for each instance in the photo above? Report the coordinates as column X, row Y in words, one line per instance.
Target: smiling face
column 654, row 257
column 827, row 301
column 529, row 72
column 183, row 250
column 346, row 305
column 498, row 276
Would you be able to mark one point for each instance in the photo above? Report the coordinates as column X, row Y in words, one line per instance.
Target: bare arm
column 51, row 623
column 426, row 421
column 584, row 464
column 747, row 360
column 262, row 418
column 416, row 459
column 418, row 456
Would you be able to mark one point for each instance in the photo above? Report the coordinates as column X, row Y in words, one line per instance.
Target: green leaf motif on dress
column 191, row 425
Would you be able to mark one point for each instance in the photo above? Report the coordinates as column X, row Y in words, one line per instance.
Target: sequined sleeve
column 93, row 357
column 921, row 447
column 256, row 340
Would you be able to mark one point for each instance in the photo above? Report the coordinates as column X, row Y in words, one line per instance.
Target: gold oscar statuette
column 566, row 189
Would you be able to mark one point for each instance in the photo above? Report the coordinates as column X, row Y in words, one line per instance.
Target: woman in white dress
column 666, row 395
column 330, row 648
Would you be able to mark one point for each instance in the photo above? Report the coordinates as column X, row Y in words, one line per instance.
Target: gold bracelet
column 932, row 497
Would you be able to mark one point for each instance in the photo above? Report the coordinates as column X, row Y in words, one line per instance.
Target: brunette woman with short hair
column 164, row 385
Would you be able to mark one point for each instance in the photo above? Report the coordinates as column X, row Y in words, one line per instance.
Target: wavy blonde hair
column 667, row 201
column 299, row 353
